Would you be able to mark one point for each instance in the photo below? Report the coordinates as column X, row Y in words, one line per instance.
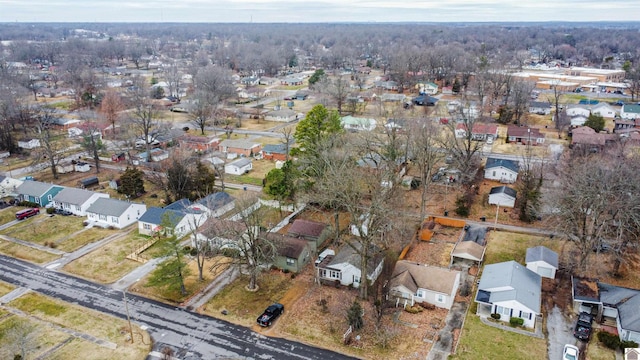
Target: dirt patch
column 437, row 254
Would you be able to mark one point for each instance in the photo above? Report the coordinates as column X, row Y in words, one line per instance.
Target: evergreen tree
column 131, row 183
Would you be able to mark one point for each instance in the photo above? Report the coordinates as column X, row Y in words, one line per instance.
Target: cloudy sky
column 317, row 11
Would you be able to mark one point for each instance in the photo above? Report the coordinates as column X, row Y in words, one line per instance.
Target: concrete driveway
column 560, row 330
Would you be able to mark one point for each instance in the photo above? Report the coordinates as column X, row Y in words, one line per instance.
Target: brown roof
column 468, row 250
column 585, row 289
column 587, row 136
column 223, row 228
column 287, row 246
column 480, row 128
column 301, row 227
column 199, row 139
column 522, row 131
column 414, row 276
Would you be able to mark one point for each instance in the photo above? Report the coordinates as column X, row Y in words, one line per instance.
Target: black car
column 583, row 326
column 270, row 314
column 62, row 212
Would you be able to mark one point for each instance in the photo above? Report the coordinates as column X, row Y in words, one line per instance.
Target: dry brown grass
column 46, row 338
column 5, row 288
column 26, row 253
column 430, row 253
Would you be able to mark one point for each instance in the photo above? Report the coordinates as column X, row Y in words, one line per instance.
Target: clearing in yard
column 108, row 263
column 506, row 246
column 597, row 351
column 480, row 341
column 26, row 253
column 430, row 253
column 86, row 321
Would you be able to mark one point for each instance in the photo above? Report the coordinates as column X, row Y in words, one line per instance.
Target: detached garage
column 542, row 261
column 502, row 196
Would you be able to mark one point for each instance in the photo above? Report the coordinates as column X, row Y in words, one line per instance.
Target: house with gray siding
column 415, row 283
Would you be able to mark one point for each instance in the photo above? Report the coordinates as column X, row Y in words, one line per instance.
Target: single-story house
column 509, row 290
column 630, row 112
column 216, row 204
column 605, row 110
column 240, row 147
column 8, row 185
column 106, row 212
column 344, row 267
column 424, row 284
column 156, row 155
column 578, row 110
column 503, row 170
column 386, row 97
column 176, row 218
column 586, row 137
column 479, row 131
column 524, row 135
column 314, row 232
column 75, row 200
column 543, row 261
column 425, row 100
column 293, row 254
column 29, row 144
column 502, row 196
column 275, row 152
column 428, row 88
column 38, row 192
column 356, row 124
column 199, row 143
column 540, row 108
column 81, row 166
column 282, row 115
column 239, row 167
column 578, row 120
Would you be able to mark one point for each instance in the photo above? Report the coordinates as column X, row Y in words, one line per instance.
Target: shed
column 502, row 196
column 88, row 182
column 542, row 261
column 82, row 167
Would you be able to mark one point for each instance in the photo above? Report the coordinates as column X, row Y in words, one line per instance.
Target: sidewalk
column 223, row 279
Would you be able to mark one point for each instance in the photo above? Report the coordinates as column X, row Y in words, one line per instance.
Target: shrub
column 462, row 208
column 286, row 271
column 413, row 309
column 293, row 276
column 609, row 340
column 50, row 210
column 628, row 344
column 495, row 316
column 29, row 204
column 516, row 321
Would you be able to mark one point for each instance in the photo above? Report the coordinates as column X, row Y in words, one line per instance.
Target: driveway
column 560, row 330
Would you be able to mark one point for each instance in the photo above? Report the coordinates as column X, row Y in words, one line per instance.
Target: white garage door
column 545, row 271
column 609, row 312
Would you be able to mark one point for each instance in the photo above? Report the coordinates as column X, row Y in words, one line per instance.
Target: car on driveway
column 270, row 314
column 27, row 213
column 583, row 326
column 570, row 352
column 62, row 212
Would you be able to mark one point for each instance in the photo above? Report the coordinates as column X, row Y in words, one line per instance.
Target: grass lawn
column 480, row 341
column 191, row 282
column 43, row 228
column 26, row 253
column 252, row 178
column 87, row 321
column 9, row 214
column 272, row 286
column 88, row 236
column 597, row 351
column 108, row 263
column 44, row 340
column 505, row 246
column 5, row 288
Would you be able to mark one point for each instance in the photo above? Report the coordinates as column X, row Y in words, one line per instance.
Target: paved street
column 191, row 335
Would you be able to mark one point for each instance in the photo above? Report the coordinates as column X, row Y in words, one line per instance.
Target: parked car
column 583, row 326
column 570, row 352
column 270, row 314
column 62, row 212
column 27, row 213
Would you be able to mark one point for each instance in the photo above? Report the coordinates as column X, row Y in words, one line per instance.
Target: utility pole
column 497, row 210
column 126, row 307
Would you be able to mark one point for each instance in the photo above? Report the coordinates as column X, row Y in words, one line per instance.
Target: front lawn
column 9, row 214
column 480, row 341
column 506, row 246
column 26, row 253
column 5, row 288
column 597, row 351
column 72, row 243
column 44, row 228
column 45, row 340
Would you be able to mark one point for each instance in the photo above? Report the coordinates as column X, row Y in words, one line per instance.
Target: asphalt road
column 191, row 335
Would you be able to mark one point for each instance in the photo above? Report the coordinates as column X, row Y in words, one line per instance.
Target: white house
column 344, row 267
column 502, row 196
column 216, row 204
column 283, row 115
column 509, row 290
column 106, row 212
column 605, row 110
column 577, row 110
column 9, row 185
column 238, row 167
column 82, row 167
column 412, row 282
column 543, row 261
column 503, row 170
column 178, row 218
column 75, row 200
column 357, row 124
column 630, row 112
column 428, row 88
column 156, row 155
column 540, row 108
column 578, row 120
column 29, row 144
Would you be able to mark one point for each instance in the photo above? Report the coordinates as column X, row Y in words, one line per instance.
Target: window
column 440, row 298
column 356, row 279
column 36, row 200
column 146, row 226
column 503, row 310
column 323, row 273
column 102, row 217
column 114, row 219
column 525, row 315
column 494, row 173
column 49, row 197
column 291, row 261
column 420, row 293
column 78, row 208
column 334, row 274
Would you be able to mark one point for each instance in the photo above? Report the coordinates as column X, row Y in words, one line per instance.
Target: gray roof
column 415, row 276
column 520, row 283
column 503, row 190
column 612, row 295
column 539, row 104
column 242, row 162
column 240, row 144
column 629, row 314
column 109, row 207
column 475, row 233
column 216, row 200
column 156, row 215
column 508, row 164
column 73, row 196
column 349, row 255
column 542, row 253
column 34, row 188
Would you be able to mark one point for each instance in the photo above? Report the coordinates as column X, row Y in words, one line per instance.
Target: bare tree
column 287, row 138
column 144, row 116
column 91, row 141
column 200, row 112
column 21, row 339
column 426, row 155
column 51, row 148
column 461, row 143
column 110, row 107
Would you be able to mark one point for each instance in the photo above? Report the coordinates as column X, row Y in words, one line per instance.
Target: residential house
column 216, row 204
column 630, row 112
column 540, row 108
column 428, row 88
column 578, row 110
column 314, row 232
column 106, row 212
column 156, row 155
column 293, row 254
column 479, row 131
column 250, row 80
column 344, row 267
column 38, row 192
column 605, row 110
column 75, row 200
column 524, row 135
column 424, row 100
column 503, row 170
column 609, row 303
column 219, row 233
column 301, row 95
column 509, row 290
column 29, row 144
column 177, row 218
column 81, row 166
column 502, row 196
column 282, row 115
column 471, row 246
column 586, row 137
column 352, row 123
column 387, row 85
column 578, row 120
column 543, row 261
column 8, row 186
column 424, row 284
column 276, row 152
column 239, row 167
column 202, row 144
column 240, row 147
column 386, row 97
column 65, row 167
column 292, row 81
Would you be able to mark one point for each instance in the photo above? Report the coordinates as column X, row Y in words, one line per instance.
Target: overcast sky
column 266, row 11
